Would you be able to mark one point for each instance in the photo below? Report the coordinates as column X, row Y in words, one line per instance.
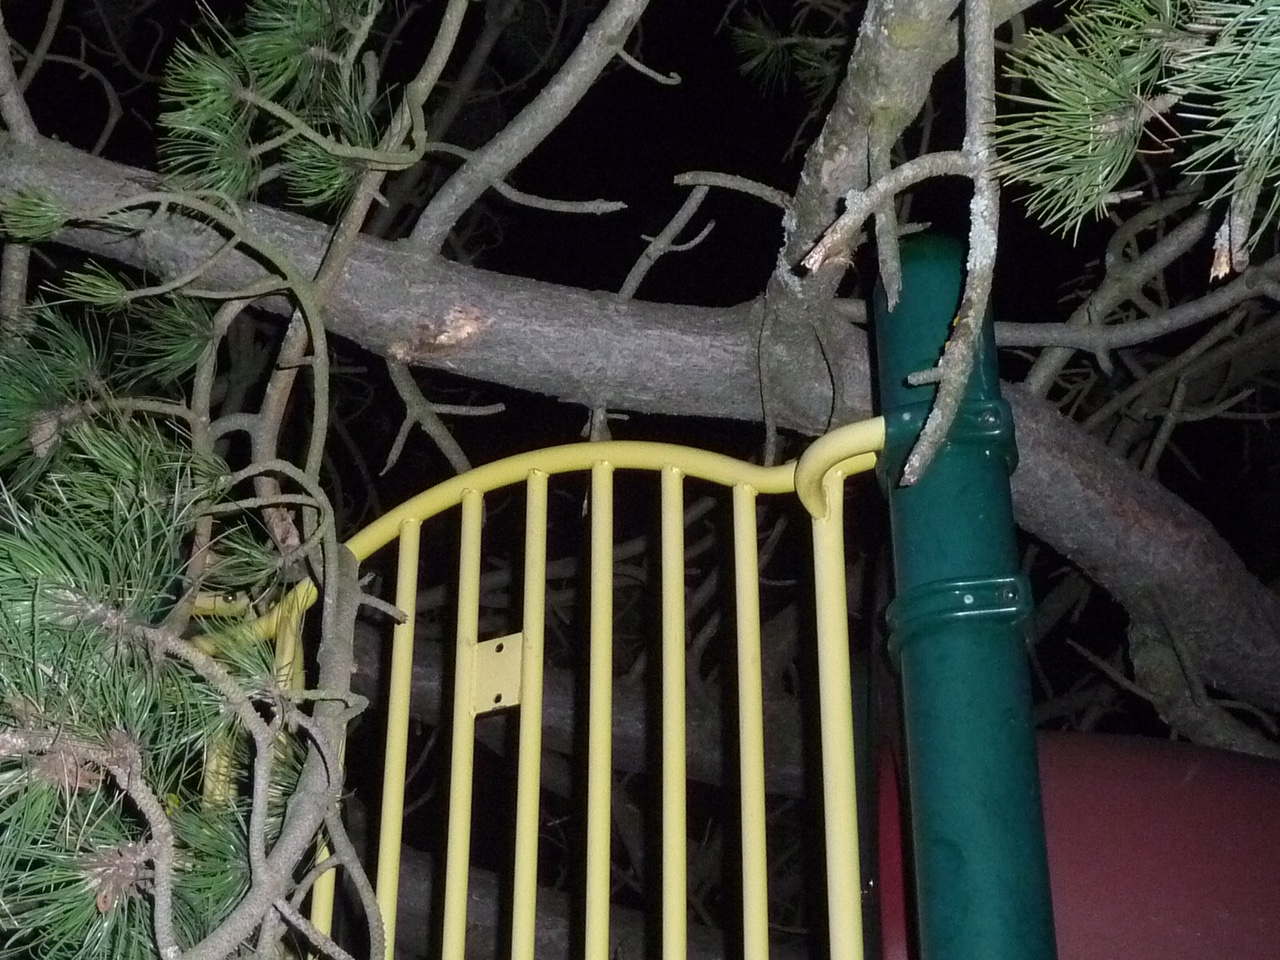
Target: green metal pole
column 982, row 876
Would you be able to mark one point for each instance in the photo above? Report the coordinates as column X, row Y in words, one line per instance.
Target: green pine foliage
column 1191, row 83
column 135, row 724
column 811, row 49
column 1080, row 137
column 273, row 102
column 1232, row 86
column 97, row 513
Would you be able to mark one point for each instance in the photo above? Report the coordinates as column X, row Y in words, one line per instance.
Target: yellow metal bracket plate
column 497, row 676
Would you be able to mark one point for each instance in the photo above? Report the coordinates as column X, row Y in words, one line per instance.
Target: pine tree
column 164, row 774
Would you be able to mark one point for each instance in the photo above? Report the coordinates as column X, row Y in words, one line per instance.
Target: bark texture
column 1124, row 529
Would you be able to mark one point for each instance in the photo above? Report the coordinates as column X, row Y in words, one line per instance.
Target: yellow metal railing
column 506, row 673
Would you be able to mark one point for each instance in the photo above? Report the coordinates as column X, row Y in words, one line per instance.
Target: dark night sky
column 627, row 141
column 631, row 136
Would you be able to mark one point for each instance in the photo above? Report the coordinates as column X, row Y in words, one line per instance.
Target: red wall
column 1157, row 851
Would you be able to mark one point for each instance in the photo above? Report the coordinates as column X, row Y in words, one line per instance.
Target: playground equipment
column 980, row 856
column 505, row 673
column 1155, row 851
column 977, row 855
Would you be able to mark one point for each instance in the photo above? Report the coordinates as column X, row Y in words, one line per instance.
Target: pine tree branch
column 1124, row 278
column 121, row 759
column 603, row 39
column 306, row 328
column 13, row 108
column 346, row 852
column 319, row 784
column 52, row 18
column 1261, row 280
column 17, row 117
column 423, row 413
column 956, row 364
column 304, row 926
column 839, row 239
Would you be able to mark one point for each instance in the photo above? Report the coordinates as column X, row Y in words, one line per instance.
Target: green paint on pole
column 982, row 876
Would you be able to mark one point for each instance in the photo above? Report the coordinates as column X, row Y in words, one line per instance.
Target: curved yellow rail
column 507, row 673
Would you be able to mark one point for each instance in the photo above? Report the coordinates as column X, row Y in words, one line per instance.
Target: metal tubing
column 463, row 740
column 982, row 880
column 396, row 746
column 524, row 892
column 835, row 706
column 675, row 818
column 755, row 881
column 600, row 715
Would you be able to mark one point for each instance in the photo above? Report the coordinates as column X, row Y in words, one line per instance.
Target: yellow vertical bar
column 458, row 853
column 397, row 737
column 529, row 763
column 746, row 571
column 326, row 885
column 835, row 696
column 322, row 896
column 288, row 669
column 599, row 715
column 674, row 818
column 288, row 640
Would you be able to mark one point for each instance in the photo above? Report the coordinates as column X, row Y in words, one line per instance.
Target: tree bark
column 1125, row 530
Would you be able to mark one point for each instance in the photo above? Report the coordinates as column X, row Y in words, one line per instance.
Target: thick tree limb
column 595, row 349
column 582, row 346
column 1138, row 541
column 1176, row 691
